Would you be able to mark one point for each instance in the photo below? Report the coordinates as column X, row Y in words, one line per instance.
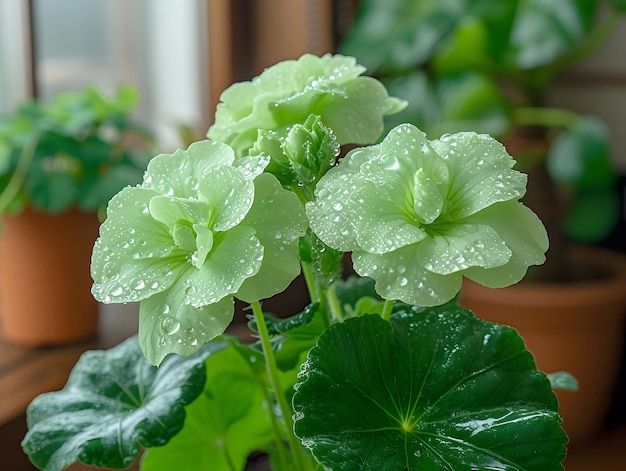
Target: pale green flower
column 418, row 215
column 330, row 86
column 197, row 232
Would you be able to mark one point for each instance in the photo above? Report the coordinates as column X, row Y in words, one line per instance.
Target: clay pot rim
column 610, row 287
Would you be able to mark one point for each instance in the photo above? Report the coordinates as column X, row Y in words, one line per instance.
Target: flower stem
column 309, row 278
column 334, row 306
column 387, row 308
column 279, row 392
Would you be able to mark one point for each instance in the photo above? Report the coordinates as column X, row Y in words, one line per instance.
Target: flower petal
column 178, row 174
column 461, row 246
column 134, row 257
column 524, row 235
column 400, row 276
column 167, row 324
column 288, row 92
column 229, row 193
column 481, row 173
column 279, row 219
column 171, row 211
column 237, row 255
column 384, row 224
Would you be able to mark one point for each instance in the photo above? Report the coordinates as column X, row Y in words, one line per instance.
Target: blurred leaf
column 467, row 102
column 434, row 388
column 545, row 30
column 580, row 156
column 562, row 380
column 593, row 214
column 114, row 403
column 397, row 35
column 472, row 102
column 76, row 133
column 480, row 41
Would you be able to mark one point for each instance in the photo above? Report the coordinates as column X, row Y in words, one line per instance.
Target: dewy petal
column 279, row 219
column 399, row 276
column 524, row 235
column 237, row 255
column 204, row 244
column 357, row 118
column 384, row 224
column 118, row 279
column 288, row 92
column 171, row 211
column 331, row 214
column 252, row 166
column 461, row 246
column 412, row 149
column 229, row 193
column 134, row 257
column 178, row 174
column 167, row 324
column 428, row 198
column 481, row 173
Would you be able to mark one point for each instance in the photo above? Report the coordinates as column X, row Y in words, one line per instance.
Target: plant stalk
column 387, row 308
column 279, row 392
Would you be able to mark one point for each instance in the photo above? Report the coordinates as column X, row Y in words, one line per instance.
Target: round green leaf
column 434, row 389
column 226, row 423
column 113, row 404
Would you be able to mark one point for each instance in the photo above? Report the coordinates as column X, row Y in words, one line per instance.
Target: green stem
column 18, row 177
column 387, row 308
column 280, row 446
column 334, row 307
column 279, row 392
column 309, row 279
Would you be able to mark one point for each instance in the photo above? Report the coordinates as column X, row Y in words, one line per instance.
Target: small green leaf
column 433, row 389
column 227, row 422
column 581, row 156
column 563, row 380
column 114, row 404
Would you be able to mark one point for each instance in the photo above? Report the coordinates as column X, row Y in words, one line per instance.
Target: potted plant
column 60, row 162
column 491, row 70
column 383, row 370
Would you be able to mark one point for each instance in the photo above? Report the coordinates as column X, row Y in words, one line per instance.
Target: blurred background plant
column 77, row 150
column 489, row 67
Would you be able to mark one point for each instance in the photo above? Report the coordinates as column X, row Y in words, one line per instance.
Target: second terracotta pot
column 576, row 327
column 45, row 285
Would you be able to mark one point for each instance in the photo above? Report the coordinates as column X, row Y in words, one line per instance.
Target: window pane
column 155, row 45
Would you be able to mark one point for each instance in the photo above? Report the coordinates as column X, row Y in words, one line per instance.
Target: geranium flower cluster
column 211, row 223
column 418, row 215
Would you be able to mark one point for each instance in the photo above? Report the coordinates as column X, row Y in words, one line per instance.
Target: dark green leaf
column 293, row 336
column 434, row 389
column 114, row 403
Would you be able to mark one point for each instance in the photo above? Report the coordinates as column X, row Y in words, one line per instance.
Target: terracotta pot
column 45, row 284
column 575, row 327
